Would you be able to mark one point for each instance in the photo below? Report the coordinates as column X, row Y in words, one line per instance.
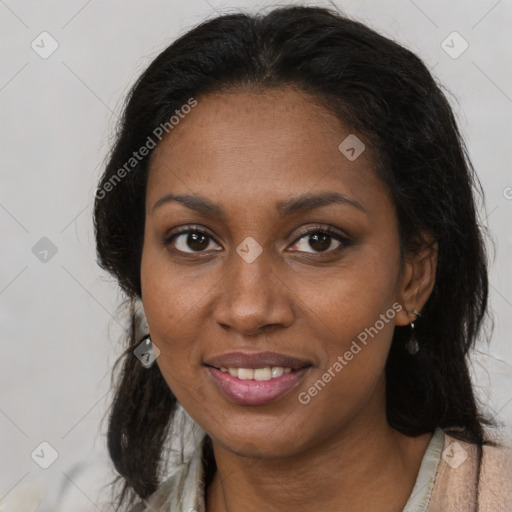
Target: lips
column 257, row 360
column 256, row 379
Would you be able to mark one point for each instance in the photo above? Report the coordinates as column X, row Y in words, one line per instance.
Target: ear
column 417, row 279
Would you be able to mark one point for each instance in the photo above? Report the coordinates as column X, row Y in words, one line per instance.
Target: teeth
column 263, row 373
column 266, row 373
column 277, row 371
column 245, row 373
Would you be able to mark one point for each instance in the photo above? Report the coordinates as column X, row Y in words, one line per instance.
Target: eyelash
column 321, row 229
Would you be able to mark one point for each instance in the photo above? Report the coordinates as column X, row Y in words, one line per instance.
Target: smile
column 247, row 386
column 260, row 374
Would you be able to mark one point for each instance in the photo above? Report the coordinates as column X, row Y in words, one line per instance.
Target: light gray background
column 59, row 322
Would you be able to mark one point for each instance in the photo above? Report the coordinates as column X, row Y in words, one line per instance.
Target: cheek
column 169, row 295
column 354, row 297
column 175, row 305
column 173, row 302
column 355, row 316
column 356, row 342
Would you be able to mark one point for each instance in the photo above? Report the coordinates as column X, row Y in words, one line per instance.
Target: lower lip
column 256, row 392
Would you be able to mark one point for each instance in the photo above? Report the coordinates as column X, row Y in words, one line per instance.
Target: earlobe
column 418, row 280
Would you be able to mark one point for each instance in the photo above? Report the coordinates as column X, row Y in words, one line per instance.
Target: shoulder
column 496, row 476
column 468, row 474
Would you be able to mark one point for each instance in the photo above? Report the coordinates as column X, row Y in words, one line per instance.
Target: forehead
column 260, row 145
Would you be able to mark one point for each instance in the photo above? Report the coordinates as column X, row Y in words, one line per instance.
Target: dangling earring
column 412, row 346
column 146, row 352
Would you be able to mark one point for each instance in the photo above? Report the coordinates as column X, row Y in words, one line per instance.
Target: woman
column 290, row 201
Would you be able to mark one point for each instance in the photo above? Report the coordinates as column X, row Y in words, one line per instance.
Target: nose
column 252, row 297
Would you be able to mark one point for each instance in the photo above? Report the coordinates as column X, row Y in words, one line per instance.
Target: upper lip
column 256, row 360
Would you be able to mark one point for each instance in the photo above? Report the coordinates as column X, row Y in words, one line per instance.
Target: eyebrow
column 290, row 206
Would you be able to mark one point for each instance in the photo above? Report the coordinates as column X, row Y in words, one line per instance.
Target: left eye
column 320, row 241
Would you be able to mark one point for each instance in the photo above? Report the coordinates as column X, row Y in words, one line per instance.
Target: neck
column 368, row 457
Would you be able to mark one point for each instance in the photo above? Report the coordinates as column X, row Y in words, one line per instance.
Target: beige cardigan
column 445, row 482
column 454, row 488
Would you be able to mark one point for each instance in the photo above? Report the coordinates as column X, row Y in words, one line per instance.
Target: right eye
column 189, row 240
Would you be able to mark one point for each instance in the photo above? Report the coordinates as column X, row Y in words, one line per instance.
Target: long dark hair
column 383, row 92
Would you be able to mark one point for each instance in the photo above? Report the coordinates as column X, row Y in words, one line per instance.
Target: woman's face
column 255, row 275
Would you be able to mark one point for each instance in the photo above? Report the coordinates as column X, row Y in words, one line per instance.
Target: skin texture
column 247, row 150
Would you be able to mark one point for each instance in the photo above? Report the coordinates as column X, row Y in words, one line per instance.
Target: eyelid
column 323, row 228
